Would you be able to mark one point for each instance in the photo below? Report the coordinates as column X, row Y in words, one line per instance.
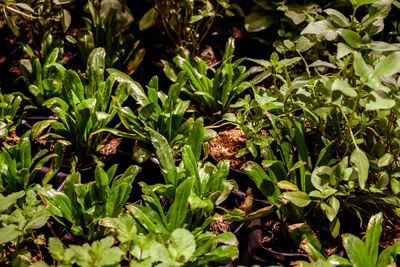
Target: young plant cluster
column 102, row 167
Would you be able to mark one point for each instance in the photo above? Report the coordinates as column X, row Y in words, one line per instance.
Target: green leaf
column 148, row 20
column 388, row 255
column 182, row 245
column 266, row 184
column 379, row 100
column 9, row 233
column 344, row 87
column 356, row 251
column 331, row 209
column 164, row 154
column 94, row 255
column 374, row 230
column 9, row 200
column 176, row 215
column 385, row 160
column 169, row 71
column 124, row 224
column 321, row 27
column 303, row 44
column 337, row 17
column 62, row 2
column 39, row 126
column 360, row 160
column 56, row 249
column 352, row 38
column 320, row 177
column 388, row 66
column 195, row 138
column 25, row 7
column 358, row 3
column 361, row 68
column 65, row 19
column 255, row 22
column 298, row 198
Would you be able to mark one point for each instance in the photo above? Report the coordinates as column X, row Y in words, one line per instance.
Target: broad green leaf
column 351, row 37
column 321, row 27
column 385, row 160
column 337, row 17
column 303, row 44
column 331, row 209
column 298, row 198
column 344, row 87
column 361, row 68
column 320, row 177
column 342, row 50
column 56, row 249
column 360, row 160
column 9, row 233
column 255, row 22
column 388, row 66
column 65, row 19
column 9, row 200
column 182, row 245
column 221, row 256
column 338, row 261
column 356, row 251
column 148, row 20
column 379, row 100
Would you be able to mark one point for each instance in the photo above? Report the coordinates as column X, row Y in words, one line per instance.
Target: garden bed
column 199, row 133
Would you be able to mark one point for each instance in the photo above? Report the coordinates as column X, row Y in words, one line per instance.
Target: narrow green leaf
column 176, row 215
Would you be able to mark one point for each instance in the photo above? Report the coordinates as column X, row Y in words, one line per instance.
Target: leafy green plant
column 349, row 108
column 359, row 253
column 255, row 118
column 20, row 213
column 84, row 107
column 80, row 207
column 261, row 19
column 86, row 255
column 137, row 247
column 18, row 169
column 110, row 20
column 9, row 105
column 185, row 23
column 216, row 94
column 38, row 18
column 188, row 203
column 42, row 76
column 163, row 113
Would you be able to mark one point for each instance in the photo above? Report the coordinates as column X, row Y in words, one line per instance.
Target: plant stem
column 20, row 12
